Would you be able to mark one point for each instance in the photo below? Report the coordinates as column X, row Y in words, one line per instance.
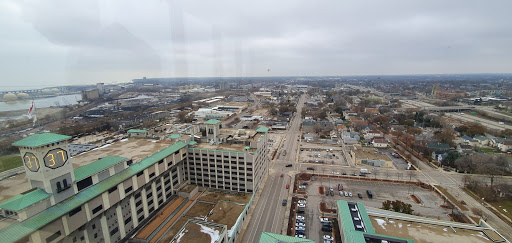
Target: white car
column 324, row 220
column 302, row 201
column 350, row 194
column 300, row 217
column 300, row 224
column 341, row 193
column 300, row 228
column 302, row 187
column 300, row 236
column 301, row 205
column 327, row 237
column 346, row 194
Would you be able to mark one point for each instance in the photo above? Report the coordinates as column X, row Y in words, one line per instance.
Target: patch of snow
column 391, row 221
column 408, row 225
column 124, row 140
column 399, row 225
column 214, row 234
column 381, row 222
column 232, row 230
column 445, row 229
column 181, row 235
column 481, row 235
column 505, row 210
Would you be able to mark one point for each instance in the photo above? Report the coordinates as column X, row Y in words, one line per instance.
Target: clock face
column 55, row 158
column 31, row 162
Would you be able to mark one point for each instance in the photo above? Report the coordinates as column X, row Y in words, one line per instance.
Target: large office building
column 108, row 199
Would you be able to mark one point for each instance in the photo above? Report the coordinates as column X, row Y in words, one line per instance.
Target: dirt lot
column 321, row 156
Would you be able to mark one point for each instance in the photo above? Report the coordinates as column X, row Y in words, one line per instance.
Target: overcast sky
column 68, row 42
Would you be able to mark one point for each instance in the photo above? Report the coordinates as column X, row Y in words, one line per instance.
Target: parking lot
column 381, row 191
column 274, row 139
column 322, row 156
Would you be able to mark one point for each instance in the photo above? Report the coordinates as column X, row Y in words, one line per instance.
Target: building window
column 74, row 211
column 112, row 189
column 53, row 237
column 59, row 187
column 140, row 173
column 151, row 175
column 128, row 189
column 113, row 232
column 97, row 209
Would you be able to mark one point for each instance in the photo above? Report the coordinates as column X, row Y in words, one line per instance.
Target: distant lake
column 61, row 100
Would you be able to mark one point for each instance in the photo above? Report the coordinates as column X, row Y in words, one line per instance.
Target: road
column 485, row 122
column 268, row 214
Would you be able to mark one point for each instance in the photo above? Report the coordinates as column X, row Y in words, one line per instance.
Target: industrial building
column 110, row 198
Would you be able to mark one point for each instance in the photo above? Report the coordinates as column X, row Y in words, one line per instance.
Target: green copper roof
column 16, row 232
column 175, row 136
column 96, row 166
column 267, row 237
column 262, row 129
column 192, row 143
column 137, row 131
column 22, row 201
column 40, row 139
column 212, row 122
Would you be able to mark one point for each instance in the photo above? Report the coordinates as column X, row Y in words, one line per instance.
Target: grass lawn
column 507, row 205
column 487, row 150
column 8, row 162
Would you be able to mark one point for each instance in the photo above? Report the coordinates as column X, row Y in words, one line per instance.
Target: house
column 349, row 114
column 481, row 140
column 505, row 146
column 371, row 134
column 372, row 111
column 439, row 146
column 464, row 149
column 350, row 137
column 312, row 125
column 465, row 139
column 380, row 142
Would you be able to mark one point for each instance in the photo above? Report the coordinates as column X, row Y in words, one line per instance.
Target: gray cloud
column 72, row 42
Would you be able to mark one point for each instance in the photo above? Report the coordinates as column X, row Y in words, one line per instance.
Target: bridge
column 448, row 108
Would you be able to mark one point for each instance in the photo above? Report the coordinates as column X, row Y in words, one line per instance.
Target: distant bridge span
column 448, row 108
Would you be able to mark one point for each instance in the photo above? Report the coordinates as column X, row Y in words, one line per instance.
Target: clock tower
column 47, row 164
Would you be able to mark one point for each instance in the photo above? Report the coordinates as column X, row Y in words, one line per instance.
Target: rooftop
column 24, row 200
column 423, row 233
column 137, row 131
column 195, row 231
column 212, row 122
column 96, row 166
column 40, row 139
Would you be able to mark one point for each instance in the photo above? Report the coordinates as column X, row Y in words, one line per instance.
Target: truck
column 365, row 171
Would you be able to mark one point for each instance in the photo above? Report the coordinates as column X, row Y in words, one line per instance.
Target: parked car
column 300, row 224
column 326, row 191
column 341, row 193
column 302, row 201
column 282, row 174
column 284, row 202
column 350, row 194
column 313, row 178
column 370, row 194
column 300, row 228
column 331, row 189
column 299, row 217
column 327, row 237
column 324, row 220
column 346, row 193
column 301, row 205
column 289, row 165
column 310, row 168
column 326, row 229
column 287, row 186
column 332, row 194
column 300, row 236
column 344, row 173
column 300, row 211
column 302, row 187
column 360, row 195
column 305, row 183
column 299, row 221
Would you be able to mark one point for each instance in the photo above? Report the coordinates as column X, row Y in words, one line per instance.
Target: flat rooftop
column 131, row 148
column 426, row 233
column 200, row 232
column 215, row 206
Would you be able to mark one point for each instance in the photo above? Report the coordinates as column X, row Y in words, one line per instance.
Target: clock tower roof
column 40, row 139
